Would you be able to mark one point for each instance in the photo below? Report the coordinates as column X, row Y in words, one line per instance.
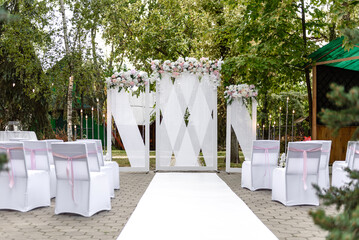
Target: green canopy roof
column 334, row 51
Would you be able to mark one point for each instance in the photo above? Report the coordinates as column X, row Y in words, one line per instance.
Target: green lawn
column 123, row 161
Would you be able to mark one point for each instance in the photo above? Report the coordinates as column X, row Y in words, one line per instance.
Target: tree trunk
column 69, row 108
column 306, row 70
column 93, row 43
column 71, row 79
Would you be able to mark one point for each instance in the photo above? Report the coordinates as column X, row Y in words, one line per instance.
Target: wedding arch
column 186, row 114
column 122, row 89
column 240, row 99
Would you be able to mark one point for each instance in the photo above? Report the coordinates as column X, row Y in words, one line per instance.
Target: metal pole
column 270, row 119
column 98, row 118
column 92, row 126
column 81, row 124
column 280, row 110
column 104, row 133
column 263, row 132
column 293, row 125
column 274, row 130
column 286, row 126
column 75, row 132
column 87, row 128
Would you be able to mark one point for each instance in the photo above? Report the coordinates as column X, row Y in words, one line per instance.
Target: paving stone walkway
column 284, row 222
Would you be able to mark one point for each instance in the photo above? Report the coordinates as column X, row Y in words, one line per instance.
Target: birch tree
column 71, row 78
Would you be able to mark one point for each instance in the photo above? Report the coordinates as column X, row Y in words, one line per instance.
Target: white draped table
column 192, row 206
column 7, row 135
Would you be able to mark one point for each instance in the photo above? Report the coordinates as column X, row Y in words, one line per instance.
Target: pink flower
column 133, row 71
column 132, row 83
column 153, row 67
column 123, row 81
column 161, row 71
column 146, row 83
column 113, row 76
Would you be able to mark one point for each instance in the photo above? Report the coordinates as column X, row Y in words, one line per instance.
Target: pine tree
column 345, row 225
column 347, row 112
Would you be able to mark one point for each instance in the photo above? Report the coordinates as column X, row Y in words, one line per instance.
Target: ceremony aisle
column 192, row 206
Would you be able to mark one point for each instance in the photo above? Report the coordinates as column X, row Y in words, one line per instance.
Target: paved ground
column 284, row 222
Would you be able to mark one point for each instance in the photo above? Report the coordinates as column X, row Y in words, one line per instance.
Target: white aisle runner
column 192, row 206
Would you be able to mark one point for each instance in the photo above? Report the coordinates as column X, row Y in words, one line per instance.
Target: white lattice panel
column 186, row 118
column 244, row 126
column 124, row 114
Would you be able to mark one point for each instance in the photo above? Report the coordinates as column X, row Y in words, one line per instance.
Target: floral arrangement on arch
column 190, row 65
column 241, row 91
column 130, row 80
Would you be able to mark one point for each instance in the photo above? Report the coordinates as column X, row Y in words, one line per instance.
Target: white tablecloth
column 7, row 135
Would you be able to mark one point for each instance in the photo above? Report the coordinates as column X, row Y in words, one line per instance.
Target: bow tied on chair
column 33, row 156
column 70, row 169
column 266, row 156
column 305, row 158
column 11, row 169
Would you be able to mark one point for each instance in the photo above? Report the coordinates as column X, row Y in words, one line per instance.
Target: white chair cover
column 52, row 166
column 37, row 158
column 36, row 155
column 95, row 164
column 257, row 173
column 340, row 177
column 111, row 164
column 22, row 189
column 323, row 176
column 78, row 190
column 49, row 148
column 292, row 185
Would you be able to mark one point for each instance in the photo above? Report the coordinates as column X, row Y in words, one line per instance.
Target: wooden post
column 314, row 110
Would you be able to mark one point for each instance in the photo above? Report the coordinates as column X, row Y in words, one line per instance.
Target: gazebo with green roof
column 333, row 64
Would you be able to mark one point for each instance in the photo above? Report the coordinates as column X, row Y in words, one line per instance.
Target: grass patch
column 120, row 157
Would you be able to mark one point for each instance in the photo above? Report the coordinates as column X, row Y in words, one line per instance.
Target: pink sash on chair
column 70, row 169
column 32, row 156
column 305, row 157
column 11, row 173
column 266, row 157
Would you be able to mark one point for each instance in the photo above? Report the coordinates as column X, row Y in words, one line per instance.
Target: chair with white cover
column 37, row 158
column 340, row 177
column 112, row 164
column 22, row 189
column 323, row 175
column 292, row 185
column 52, row 166
column 257, row 173
column 79, row 190
column 95, row 164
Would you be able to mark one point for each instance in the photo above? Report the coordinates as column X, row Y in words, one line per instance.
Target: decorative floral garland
column 190, row 65
column 243, row 91
column 130, row 80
